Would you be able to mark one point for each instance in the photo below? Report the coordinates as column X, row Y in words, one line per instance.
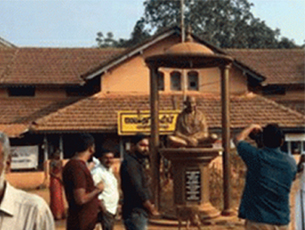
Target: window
column 160, row 81
column 192, row 80
column 176, row 81
column 26, row 91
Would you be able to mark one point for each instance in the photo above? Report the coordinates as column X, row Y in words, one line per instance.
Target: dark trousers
column 107, row 220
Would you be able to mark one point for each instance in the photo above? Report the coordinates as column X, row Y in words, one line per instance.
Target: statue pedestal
column 191, row 179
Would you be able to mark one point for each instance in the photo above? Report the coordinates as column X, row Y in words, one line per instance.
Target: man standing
column 20, row 210
column 134, row 182
column 110, row 196
column 79, row 187
column 270, row 173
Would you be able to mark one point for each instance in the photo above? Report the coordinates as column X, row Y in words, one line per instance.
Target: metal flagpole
column 183, row 72
column 182, row 22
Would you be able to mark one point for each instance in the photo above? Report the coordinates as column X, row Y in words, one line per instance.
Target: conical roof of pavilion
column 188, row 54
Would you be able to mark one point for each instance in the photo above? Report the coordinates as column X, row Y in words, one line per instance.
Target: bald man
column 191, row 128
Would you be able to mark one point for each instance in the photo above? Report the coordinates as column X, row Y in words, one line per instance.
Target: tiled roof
column 294, row 105
column 6, row 56
column 134, row 50
column 49, row 65
column 279, row 66
column 17, row 114
column 98, row 113
column 14, row 130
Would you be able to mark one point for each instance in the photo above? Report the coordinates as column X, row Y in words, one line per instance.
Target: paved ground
column 216, row 224
column 234, row 223
column 220, row 223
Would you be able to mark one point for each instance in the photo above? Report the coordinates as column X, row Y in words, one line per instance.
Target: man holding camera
column 270, row 173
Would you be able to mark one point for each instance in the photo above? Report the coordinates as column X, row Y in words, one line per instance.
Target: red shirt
column 80, row 217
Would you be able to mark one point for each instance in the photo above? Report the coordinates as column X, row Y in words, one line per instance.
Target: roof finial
column 189, row 37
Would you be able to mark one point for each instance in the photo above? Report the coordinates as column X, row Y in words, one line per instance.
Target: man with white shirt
column 110, row 196
column 20, row 210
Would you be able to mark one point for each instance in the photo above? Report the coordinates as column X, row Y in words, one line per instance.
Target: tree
column 139, row 32
column 223, row 23
column 108, row 41
column 138, row 35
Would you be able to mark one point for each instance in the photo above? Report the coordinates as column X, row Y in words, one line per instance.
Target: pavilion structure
column 189, row 55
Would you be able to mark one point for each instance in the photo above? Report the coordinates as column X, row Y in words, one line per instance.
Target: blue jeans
column 136, row 221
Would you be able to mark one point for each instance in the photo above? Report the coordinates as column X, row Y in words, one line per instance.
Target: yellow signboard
column 132, row 122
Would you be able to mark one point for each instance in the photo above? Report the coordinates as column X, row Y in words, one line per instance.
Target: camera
column 257, row 137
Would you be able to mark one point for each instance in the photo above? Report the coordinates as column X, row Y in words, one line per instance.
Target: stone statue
column 191, row 128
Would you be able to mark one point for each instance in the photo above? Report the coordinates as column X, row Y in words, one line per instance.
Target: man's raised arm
column 246, row 132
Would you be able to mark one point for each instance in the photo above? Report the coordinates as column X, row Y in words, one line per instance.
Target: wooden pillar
column 46, row 148
column 154, row 142
column 225, row 105
column 61, row 147
column 46, row 162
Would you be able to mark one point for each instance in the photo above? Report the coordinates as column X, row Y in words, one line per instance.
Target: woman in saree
column 56, row 187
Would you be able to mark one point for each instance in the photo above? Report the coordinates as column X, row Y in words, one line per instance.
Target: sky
column 75, row 23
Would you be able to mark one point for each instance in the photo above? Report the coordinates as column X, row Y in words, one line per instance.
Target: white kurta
column 22, row 210
column 300, row 203
column 110, row 195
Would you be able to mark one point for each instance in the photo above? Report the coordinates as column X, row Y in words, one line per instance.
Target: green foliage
column 107, row 41
column 138, row 35
column 223, row 23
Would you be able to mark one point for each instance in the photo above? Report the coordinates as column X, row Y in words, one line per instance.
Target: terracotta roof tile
column 14, row 130
column 6, row 56
column 67, row 65
column 279, row 66
column 25, row 110
column 99, row 112
column 49, row 65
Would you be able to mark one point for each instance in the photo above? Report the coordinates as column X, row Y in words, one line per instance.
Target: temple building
column 47, row 95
